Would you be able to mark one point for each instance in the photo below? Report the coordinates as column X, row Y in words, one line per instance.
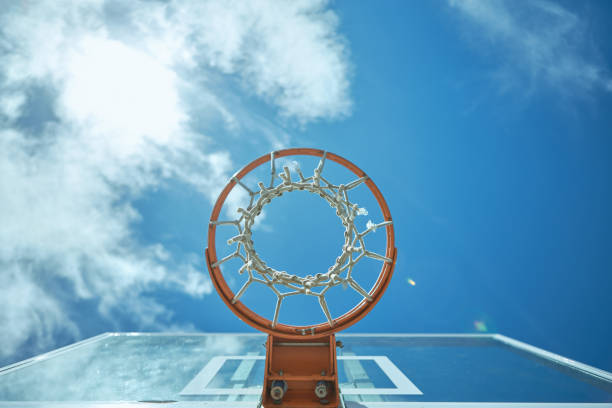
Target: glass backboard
column 375, row 370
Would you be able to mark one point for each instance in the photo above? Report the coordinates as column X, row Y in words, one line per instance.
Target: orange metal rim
column 290, row 331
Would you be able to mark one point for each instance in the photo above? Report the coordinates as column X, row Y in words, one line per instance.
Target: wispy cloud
column 536, row 42
column 102, row 101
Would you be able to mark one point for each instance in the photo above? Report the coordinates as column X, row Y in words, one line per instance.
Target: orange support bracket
column 301, row 373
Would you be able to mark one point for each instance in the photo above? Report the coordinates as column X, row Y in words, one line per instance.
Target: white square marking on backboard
column 403, row 386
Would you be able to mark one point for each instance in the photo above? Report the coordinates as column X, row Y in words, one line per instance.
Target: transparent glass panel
column 373, row 370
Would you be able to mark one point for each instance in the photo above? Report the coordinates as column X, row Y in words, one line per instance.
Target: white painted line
column 198, row 385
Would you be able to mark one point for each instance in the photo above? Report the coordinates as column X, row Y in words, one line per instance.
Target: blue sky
column 485, row 125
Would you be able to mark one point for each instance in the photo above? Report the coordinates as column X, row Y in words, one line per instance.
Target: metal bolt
column 321, row 389
column 278, row 390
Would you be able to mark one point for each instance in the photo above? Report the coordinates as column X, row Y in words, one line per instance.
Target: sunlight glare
column 125, row 92
column 480, row 326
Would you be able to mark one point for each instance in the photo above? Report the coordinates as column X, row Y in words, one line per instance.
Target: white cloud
column 11, row 103
column 28, row 311
column 125, row 90
column 121, row 118
column 286, row 52
column 540, row 42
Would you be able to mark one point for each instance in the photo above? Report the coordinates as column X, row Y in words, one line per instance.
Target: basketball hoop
column 340, row 273
column 300, row 372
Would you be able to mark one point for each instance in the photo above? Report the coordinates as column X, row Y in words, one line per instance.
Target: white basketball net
column 340, row 273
